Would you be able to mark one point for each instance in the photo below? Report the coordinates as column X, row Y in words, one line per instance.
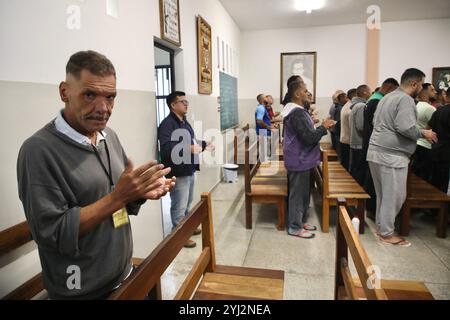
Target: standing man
column 387, row 87
column 440, row 152
column 441, row 97
column 263, row 126
column 269, row 104
column 78, row 187
column 421, row 163
column 341, row 100
column 357, row 160
column 180, row 151
column 345, row 130
column 393, row 141
column 301, row 154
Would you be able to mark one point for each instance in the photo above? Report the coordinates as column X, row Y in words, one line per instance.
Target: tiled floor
column 309, row 264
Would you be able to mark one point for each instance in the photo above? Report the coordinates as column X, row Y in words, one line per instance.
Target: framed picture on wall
column 169, row 16
column 204, row 54
column 303, row 64
column 441, row 78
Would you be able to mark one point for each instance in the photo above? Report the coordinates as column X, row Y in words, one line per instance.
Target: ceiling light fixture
column 309, row 5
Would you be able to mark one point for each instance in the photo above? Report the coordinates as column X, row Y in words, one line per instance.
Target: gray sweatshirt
column 357, row 122
column 56, row 177
column 395, row 131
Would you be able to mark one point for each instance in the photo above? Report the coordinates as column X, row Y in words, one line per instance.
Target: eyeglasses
column 185, row 102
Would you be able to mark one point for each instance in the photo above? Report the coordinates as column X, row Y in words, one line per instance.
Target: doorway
column 164, row 84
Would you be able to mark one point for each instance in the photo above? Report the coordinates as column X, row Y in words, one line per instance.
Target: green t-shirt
column 424, row 113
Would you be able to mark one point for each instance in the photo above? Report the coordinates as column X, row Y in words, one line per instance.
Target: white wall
column 36, row 45
column 36, row 42
column 341, row 56
column 340, row 60
column 420, row 44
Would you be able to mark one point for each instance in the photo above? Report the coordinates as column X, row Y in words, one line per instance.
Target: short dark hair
column 360, row 90
column 260, row 96
column 92, row 61
column 294, row 78
column 351, row 93
column 425, row 86
column 391, row 81
column 171, row 98
column 410, row 75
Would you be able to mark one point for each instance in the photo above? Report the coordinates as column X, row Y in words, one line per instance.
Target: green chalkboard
column 228, row 102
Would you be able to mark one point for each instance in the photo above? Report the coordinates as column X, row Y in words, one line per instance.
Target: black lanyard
column 108, row 173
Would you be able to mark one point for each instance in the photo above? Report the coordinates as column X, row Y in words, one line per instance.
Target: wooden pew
column 264, row 183
column 12, row 239
column 327, row 146
column 206, row 280
column 421, row 194
column 335, row 182
column 366, row 285
column 239, row 141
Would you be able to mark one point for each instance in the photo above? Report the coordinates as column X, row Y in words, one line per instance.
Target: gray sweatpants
column 298, row 199
column 390, row 187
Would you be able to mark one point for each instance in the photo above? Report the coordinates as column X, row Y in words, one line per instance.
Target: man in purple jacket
column 301, row 154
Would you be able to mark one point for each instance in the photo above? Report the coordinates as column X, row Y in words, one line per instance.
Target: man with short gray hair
column 77, row 187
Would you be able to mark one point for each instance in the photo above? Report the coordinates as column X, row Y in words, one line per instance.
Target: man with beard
column 392, row 143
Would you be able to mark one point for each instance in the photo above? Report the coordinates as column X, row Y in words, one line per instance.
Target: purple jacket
column 301, row 141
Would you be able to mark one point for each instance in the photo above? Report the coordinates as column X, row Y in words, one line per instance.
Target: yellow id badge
column 120, row 218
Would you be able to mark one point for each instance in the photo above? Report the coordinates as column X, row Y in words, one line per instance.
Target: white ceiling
column 280, row 14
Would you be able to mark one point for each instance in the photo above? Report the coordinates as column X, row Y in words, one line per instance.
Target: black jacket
column 169, row 138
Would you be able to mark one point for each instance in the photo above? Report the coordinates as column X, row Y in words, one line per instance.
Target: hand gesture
column 134, row 184
column 328, row 123
column 430, row 136
column 196, row 149
column 210, row 147
column 166, row 185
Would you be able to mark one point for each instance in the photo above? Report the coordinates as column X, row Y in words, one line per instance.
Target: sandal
column 400, row 242
column 309, row 227
column 303, row 234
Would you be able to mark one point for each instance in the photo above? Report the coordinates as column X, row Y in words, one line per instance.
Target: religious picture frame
column 169, row 16
column 204, row 55
column 441, row 78
column 303, row 64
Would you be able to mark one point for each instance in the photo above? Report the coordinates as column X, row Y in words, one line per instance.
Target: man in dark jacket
column 180, row 151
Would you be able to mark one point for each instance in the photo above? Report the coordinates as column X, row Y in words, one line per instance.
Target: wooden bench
column 206, row 280
column 14, row 238
column 238, row 143
column 264, row 183
column 335, row 182
column 366, row 285
column 421, row 194
column 326, row 146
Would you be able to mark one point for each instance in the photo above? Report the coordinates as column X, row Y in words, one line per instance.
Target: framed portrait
column 441, row 78
column 169, row 16
column 204, row 55
column 302, row 64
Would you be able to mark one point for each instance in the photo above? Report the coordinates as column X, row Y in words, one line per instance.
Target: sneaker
column 197, row 232
column 190, row 244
